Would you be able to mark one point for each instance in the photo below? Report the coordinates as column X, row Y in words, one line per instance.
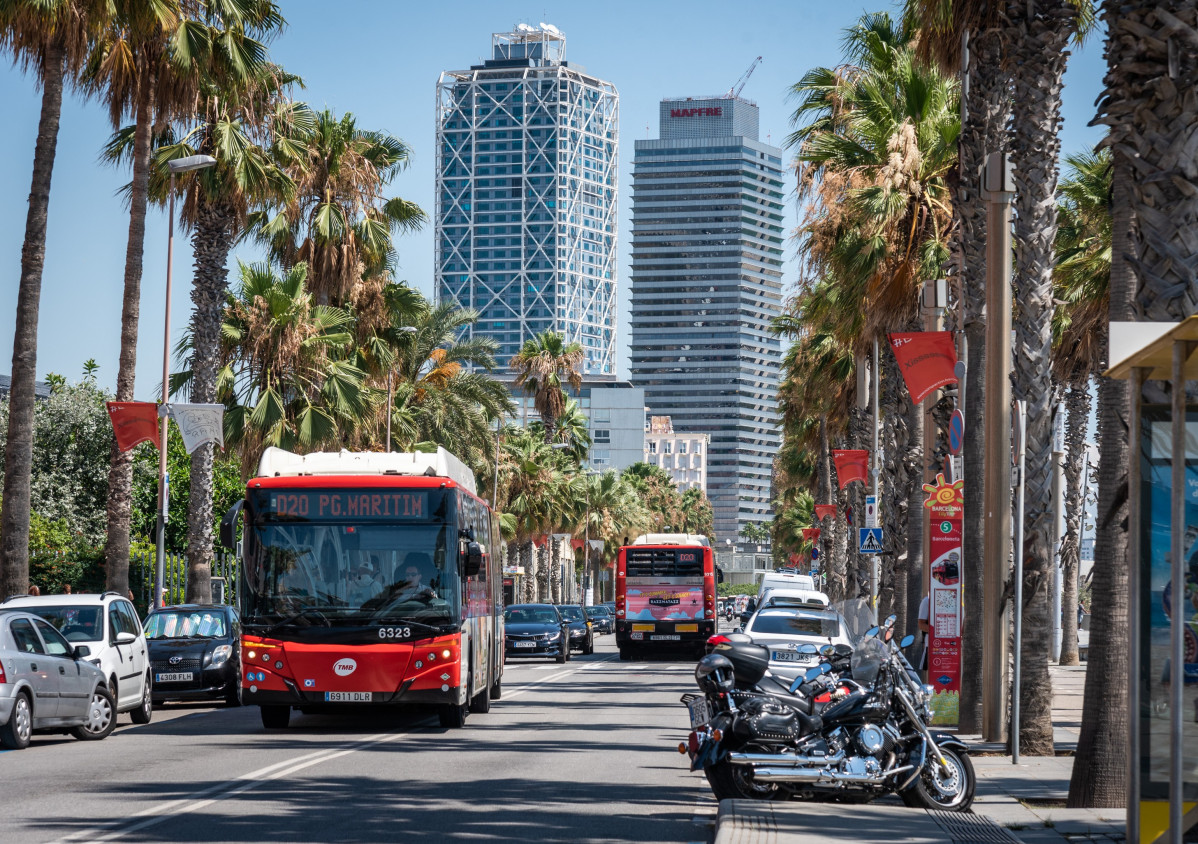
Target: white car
column 108, row 625
column 785, row 629
column 781, row 596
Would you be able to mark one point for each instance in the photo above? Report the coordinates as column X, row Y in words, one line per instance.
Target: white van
column 785, row 580
column 787, row 597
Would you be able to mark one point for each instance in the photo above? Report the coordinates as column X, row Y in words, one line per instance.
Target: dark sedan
column 601, row 619
column 195, row 653
column 582, row 634
column 535, row 630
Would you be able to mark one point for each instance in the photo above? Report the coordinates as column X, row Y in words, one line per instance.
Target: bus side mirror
column 474, row 559
column 228, row 526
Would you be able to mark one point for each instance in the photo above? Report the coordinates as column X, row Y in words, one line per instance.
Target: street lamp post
column 179, row 165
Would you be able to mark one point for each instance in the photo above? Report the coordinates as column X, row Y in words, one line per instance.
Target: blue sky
column 380, row 60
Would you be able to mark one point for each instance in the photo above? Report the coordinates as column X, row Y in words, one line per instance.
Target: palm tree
column 51, row 38
column 338, row 219
column 542, row 365
column 1080, row 286
column 528, row 472
column 572, row 431
column 238, row 126
column 287, row 375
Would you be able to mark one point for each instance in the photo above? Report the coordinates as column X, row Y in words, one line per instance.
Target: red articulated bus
column 665, row 594
column 368, row 580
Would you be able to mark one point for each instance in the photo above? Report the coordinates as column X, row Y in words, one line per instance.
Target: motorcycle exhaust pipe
column 773, row 760
column 815, row 775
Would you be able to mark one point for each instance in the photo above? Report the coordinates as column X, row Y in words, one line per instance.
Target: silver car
column 785, row 629
column 47, row 684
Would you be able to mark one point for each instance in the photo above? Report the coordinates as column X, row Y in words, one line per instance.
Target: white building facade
column 682, row 455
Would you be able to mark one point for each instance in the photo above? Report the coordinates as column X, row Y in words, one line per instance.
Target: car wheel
column 145, row 711
column 275, row 717
column 16, row 733
column 233, row 693
column 101, row 717
column 564, row 654
column 590, row 648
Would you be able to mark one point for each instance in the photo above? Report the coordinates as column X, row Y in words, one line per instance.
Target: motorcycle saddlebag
column 762, row 719
column 749, row 661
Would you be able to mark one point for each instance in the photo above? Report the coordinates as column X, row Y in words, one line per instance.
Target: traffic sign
column 956, row 432
column 869, row 540
column 871, row 511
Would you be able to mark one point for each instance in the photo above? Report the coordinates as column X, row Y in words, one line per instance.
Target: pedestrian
column 67, row 589
column 34, row 591
column 924, row 618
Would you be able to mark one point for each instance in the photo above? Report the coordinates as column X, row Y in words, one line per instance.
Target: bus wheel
column 452, row 716
column 275, row 717
column 625, row 656
column 481, row 702
column 497, row 689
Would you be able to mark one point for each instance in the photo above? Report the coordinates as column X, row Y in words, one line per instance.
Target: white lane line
column 160, row 812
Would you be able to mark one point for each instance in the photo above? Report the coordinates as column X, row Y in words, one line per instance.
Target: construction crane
column 739, row 85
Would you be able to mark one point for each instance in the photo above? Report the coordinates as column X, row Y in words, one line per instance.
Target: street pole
column 1058, row 526
column 1016, row 685
column 999, row 191
column 389, row 410
column 875, row 465
column 160, row 519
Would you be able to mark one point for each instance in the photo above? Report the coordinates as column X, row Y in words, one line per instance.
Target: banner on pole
column 852, row 464
column 927, row 360
column 946, row 507
column 822, row 510
column 199, row 424
column 134, row 422
column 811, row 534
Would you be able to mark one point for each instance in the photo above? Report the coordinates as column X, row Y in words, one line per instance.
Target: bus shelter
column 1162, row 800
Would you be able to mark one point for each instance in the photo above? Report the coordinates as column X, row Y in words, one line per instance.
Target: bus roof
column 278, row 462
column 672, row 539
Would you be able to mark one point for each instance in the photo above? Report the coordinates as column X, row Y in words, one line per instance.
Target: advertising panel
column 946, row 507
column 663, row 601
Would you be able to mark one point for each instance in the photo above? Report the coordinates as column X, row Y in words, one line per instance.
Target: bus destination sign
column 348, row 503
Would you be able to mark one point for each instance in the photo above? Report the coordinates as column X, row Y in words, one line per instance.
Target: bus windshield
column 350, row 574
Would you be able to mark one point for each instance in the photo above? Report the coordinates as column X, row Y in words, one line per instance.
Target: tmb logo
column 344, row 667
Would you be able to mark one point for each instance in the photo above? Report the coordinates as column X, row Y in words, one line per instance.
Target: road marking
column 160, row 812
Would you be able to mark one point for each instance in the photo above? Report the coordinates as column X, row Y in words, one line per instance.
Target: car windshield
column 789, row 623
column 530, row 615
column 572, row 613
column 186, row 625
column 600, row 612
column 76, row 623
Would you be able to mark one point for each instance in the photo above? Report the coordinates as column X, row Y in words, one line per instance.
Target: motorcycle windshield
column 868, row 656
column 858, row 617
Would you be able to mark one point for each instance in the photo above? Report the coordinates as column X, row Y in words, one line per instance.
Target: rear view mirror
column 907, row 641
column 125, row 638
column 807, row 648
column 474, row 559
column 813, row 672
column 871, row 632
column 228, row 526
column 81, row 651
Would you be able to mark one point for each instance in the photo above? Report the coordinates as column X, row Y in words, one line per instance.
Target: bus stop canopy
column 1149, row 346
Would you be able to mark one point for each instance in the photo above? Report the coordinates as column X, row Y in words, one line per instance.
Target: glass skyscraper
column 527, row 146
column 707, row 252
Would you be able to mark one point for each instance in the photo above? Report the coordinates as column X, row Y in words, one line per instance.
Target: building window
column 682, row 446
column 652, row 446
column 601, row 435
column 669, row 444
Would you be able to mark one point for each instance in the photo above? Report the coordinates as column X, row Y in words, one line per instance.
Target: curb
column 746, row 822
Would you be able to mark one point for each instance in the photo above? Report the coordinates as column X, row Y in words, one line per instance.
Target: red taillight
column 3, row 679
column 692, row 743
column 718, row 639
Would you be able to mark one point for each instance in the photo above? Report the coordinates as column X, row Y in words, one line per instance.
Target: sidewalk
column 1014, row 804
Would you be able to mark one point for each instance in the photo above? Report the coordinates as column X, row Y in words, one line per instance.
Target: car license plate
column 787, row 656
column 525, row 644
column 700, row 714
column 666, row 637
column 687, row 628
column 348, row 697
column 174, row 677
column 638, row 636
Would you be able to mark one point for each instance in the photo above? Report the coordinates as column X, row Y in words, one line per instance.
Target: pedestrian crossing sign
column 869, row 540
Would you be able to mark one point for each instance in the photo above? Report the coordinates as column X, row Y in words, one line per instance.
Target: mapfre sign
column 710, row 111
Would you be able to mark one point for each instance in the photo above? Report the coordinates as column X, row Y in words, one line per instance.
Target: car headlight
column 553, row 637
column 577, row 633
column 221, row 654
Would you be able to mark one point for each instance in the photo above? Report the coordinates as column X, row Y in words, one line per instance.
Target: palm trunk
column 1040, row 34
column 853, row 499
column 18, row 448
column 892, row 591
column 982, row 132
column 1077, row 409
column 907, row 610
column 120, row 470
column 827, row 484
column 211, row 243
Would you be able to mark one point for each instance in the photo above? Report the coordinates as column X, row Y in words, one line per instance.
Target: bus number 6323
column 395, row 632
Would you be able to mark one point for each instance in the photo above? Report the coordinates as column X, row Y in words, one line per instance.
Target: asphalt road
column 583, row 752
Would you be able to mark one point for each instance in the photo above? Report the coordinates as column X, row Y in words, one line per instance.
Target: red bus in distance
column 665, row 594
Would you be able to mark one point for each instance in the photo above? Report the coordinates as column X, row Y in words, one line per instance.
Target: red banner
column 926, row 359
column 811, row 534
column 946, row 507
column 852, row 464
column 134, row 422
column 822, row 510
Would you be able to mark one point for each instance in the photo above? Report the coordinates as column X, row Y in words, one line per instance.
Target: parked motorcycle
column 857, row 734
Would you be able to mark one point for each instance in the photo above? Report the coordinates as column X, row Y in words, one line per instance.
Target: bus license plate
column 175, row 677
column 667, row 637
column 700, row 714
column 348, row 697
column 637, row 636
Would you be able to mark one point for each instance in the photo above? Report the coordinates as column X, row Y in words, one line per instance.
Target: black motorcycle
column 828, row 734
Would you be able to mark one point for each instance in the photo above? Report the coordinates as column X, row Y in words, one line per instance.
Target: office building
column 707, row 253
column 683, row 456
column 527, row 146
column 615, row 412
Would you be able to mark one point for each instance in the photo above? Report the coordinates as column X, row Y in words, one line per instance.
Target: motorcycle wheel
column 932, row 790
column 734, row 782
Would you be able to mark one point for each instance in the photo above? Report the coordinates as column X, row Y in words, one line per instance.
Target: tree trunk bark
column 18, row 449
column 916, row 516
column 120, row 470
column 1038, row 34
column 1077, row 410
column 893, row 489
column 211, row 243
